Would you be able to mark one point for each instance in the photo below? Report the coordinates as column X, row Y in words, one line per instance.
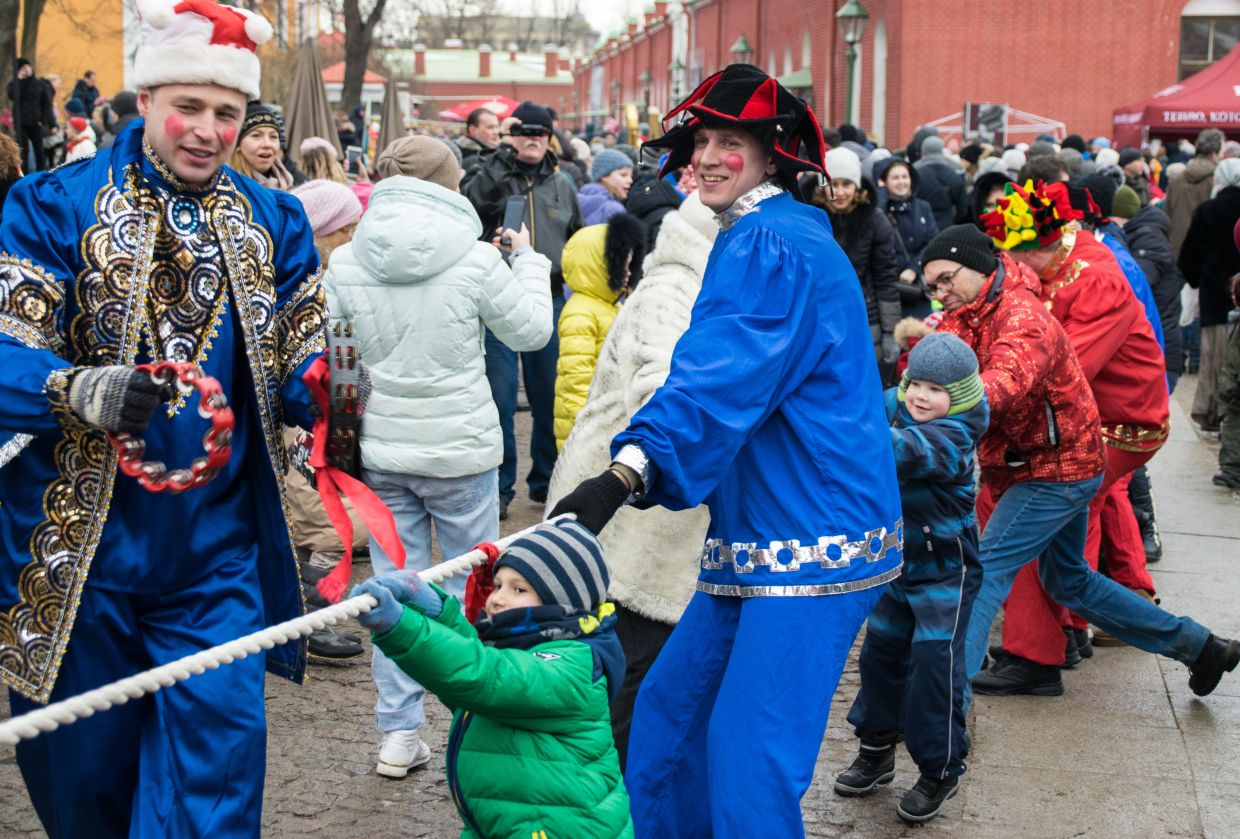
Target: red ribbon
column 481, row 582
column 332, row 483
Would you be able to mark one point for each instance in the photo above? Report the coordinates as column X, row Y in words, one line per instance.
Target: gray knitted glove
column 115, row 398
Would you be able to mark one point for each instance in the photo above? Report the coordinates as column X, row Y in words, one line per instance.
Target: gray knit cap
column 424, row 158
column 563, row 562
column 943, row 359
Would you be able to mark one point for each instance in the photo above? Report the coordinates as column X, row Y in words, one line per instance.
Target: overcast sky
column 604, row 15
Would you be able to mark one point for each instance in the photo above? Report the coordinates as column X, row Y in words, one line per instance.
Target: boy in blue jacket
column 912, row 662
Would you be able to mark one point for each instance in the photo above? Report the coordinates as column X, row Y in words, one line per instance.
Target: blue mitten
column 386, row 615
column 398, row 587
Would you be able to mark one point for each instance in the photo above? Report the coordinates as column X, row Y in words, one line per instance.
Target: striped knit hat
column 563, row 562
column 943, row 359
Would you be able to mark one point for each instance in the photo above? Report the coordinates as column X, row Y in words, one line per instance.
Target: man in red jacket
column 1043, row 457
column 1084, row 288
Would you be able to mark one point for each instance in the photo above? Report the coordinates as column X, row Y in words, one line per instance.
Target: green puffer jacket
column 530, row 753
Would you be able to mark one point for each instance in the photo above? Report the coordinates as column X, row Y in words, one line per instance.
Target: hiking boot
column 1012, row 675
column 874, row 766
column 927, row 797
column 1071, row 653
column 1150, row 539
column 400, row 752
column 1219, row 656
column 327, row 646
column 1084, row 645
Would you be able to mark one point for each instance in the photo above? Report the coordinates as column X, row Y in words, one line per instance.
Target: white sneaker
column 400, row 752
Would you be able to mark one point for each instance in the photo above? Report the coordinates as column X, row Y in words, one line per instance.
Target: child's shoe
column 874, row 766
column 400, row 752
column 924, row 801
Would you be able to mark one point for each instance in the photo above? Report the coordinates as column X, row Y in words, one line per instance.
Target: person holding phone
column 419, row 288
column 523, row 166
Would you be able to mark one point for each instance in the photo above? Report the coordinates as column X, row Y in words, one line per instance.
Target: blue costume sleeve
column 301, row 308
column 757, row 331
column 36, row 268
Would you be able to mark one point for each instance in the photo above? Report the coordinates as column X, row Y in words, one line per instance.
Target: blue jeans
column 538, row 368
column 465, row 511
column 1047, row 521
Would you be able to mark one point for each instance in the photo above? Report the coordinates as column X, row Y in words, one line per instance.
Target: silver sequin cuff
column 634, row 458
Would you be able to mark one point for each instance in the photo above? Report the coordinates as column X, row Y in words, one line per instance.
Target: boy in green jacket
column 530, row 753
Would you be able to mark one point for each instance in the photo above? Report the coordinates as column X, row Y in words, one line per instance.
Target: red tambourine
column 217, row 442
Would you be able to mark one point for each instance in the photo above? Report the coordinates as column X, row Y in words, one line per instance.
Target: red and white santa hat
column 199, row 42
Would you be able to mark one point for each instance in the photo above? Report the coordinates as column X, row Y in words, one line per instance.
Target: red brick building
column 919, row 60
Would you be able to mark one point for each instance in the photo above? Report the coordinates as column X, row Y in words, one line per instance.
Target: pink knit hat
column 329, row 205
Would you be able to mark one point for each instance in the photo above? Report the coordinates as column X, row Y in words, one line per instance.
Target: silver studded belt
column 791, row 555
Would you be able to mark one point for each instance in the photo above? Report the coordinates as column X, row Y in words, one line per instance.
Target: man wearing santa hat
column 149, row 250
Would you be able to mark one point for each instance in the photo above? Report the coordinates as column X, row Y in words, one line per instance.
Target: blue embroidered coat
column 110, row 261
column 772, row 413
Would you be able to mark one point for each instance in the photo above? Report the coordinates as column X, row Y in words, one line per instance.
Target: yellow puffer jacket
column 583, row 324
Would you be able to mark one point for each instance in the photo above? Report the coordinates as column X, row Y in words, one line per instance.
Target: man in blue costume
column 152, row 249
column 773, row 415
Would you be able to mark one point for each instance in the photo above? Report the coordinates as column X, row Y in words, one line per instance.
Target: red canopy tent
column 501, row 106
column 1209, row 98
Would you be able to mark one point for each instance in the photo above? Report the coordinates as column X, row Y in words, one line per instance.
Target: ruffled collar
column 747, row 203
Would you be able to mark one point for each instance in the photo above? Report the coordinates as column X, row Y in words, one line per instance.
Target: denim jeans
column 1048, row 520
column 465, row 512
column 538, row 369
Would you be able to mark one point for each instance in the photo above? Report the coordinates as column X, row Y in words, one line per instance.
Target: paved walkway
column 1126, row 752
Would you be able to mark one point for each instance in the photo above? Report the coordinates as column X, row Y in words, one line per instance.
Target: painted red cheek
column 734, row 162
column 227, row 135
column 174, row 126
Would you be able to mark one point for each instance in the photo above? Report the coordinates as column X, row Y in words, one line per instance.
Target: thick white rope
column 31, row 725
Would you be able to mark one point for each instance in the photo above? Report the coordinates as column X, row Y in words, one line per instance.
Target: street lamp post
column 852, row 18
column 615, row 99
column 677, row 68
column 742, row 51
column 645, row 78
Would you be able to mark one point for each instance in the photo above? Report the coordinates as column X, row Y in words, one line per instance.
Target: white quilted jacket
column 419, row 288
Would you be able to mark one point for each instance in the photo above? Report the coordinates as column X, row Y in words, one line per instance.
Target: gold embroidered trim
column 32, row 304
column 1136, row 438
column 1074, row 274
column 1066, row 243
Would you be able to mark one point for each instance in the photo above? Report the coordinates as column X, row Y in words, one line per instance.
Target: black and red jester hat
column 742, row 95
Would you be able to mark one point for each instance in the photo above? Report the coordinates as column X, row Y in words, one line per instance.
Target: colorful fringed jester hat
column 1030, row 217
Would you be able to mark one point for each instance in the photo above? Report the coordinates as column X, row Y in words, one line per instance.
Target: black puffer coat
column 1208, row 256
column 867, row 239
column 1148, row 234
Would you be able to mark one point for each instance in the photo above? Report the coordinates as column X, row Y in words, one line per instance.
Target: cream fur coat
column 653, row 554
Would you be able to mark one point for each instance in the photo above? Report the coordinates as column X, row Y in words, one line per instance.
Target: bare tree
column 359, row 34
column 8, row 40
column 32, row 10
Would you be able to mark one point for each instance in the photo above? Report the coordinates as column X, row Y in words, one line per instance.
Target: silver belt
column 791, row 555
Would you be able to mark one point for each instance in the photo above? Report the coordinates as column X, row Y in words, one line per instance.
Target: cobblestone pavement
column 1124, row 753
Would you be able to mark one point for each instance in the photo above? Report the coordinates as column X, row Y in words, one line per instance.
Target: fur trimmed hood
column 910, row 329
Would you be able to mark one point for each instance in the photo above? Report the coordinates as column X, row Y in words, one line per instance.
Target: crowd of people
column 1023, row 312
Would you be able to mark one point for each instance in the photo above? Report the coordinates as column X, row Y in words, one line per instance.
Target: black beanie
column 1074, row 141
column 965, row 244
column 1129, row 155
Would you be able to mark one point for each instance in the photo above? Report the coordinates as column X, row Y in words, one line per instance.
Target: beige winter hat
column 424, row 158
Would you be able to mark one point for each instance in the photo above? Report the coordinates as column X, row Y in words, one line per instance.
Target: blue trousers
column 1048, row 520
column 730, row 718
column 465, row 511
column 538, row 370
column 913, row 672
column 187, row 761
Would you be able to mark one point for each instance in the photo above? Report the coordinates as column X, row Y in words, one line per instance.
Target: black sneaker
column 1219, row 656
column 924, row 801
column 874, row 766
column 503, row 509
column 1012, row 674
column 539, row 496
column 1222, row 480
column 1071, row 653
column 1083, row 645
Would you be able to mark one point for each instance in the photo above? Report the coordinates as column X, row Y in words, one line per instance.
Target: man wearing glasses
column 1043, row 458
column 524, row 166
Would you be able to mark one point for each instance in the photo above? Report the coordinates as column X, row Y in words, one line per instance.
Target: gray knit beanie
column 943, row 359
column 608, row 161
column 563, row 562
column 424, row 158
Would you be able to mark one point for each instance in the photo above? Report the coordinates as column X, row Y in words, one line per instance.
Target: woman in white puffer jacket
column 420, row 290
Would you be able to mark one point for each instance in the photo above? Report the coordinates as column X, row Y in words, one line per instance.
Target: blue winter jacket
column 934, row 464
column 1113, row 237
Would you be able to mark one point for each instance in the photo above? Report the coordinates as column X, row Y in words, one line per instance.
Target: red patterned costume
column 1087, row 292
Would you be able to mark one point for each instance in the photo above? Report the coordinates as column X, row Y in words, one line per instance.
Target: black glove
column 595, row 501
column 116, row 398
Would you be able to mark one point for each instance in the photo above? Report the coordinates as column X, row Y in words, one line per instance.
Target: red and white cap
column 199, row 42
